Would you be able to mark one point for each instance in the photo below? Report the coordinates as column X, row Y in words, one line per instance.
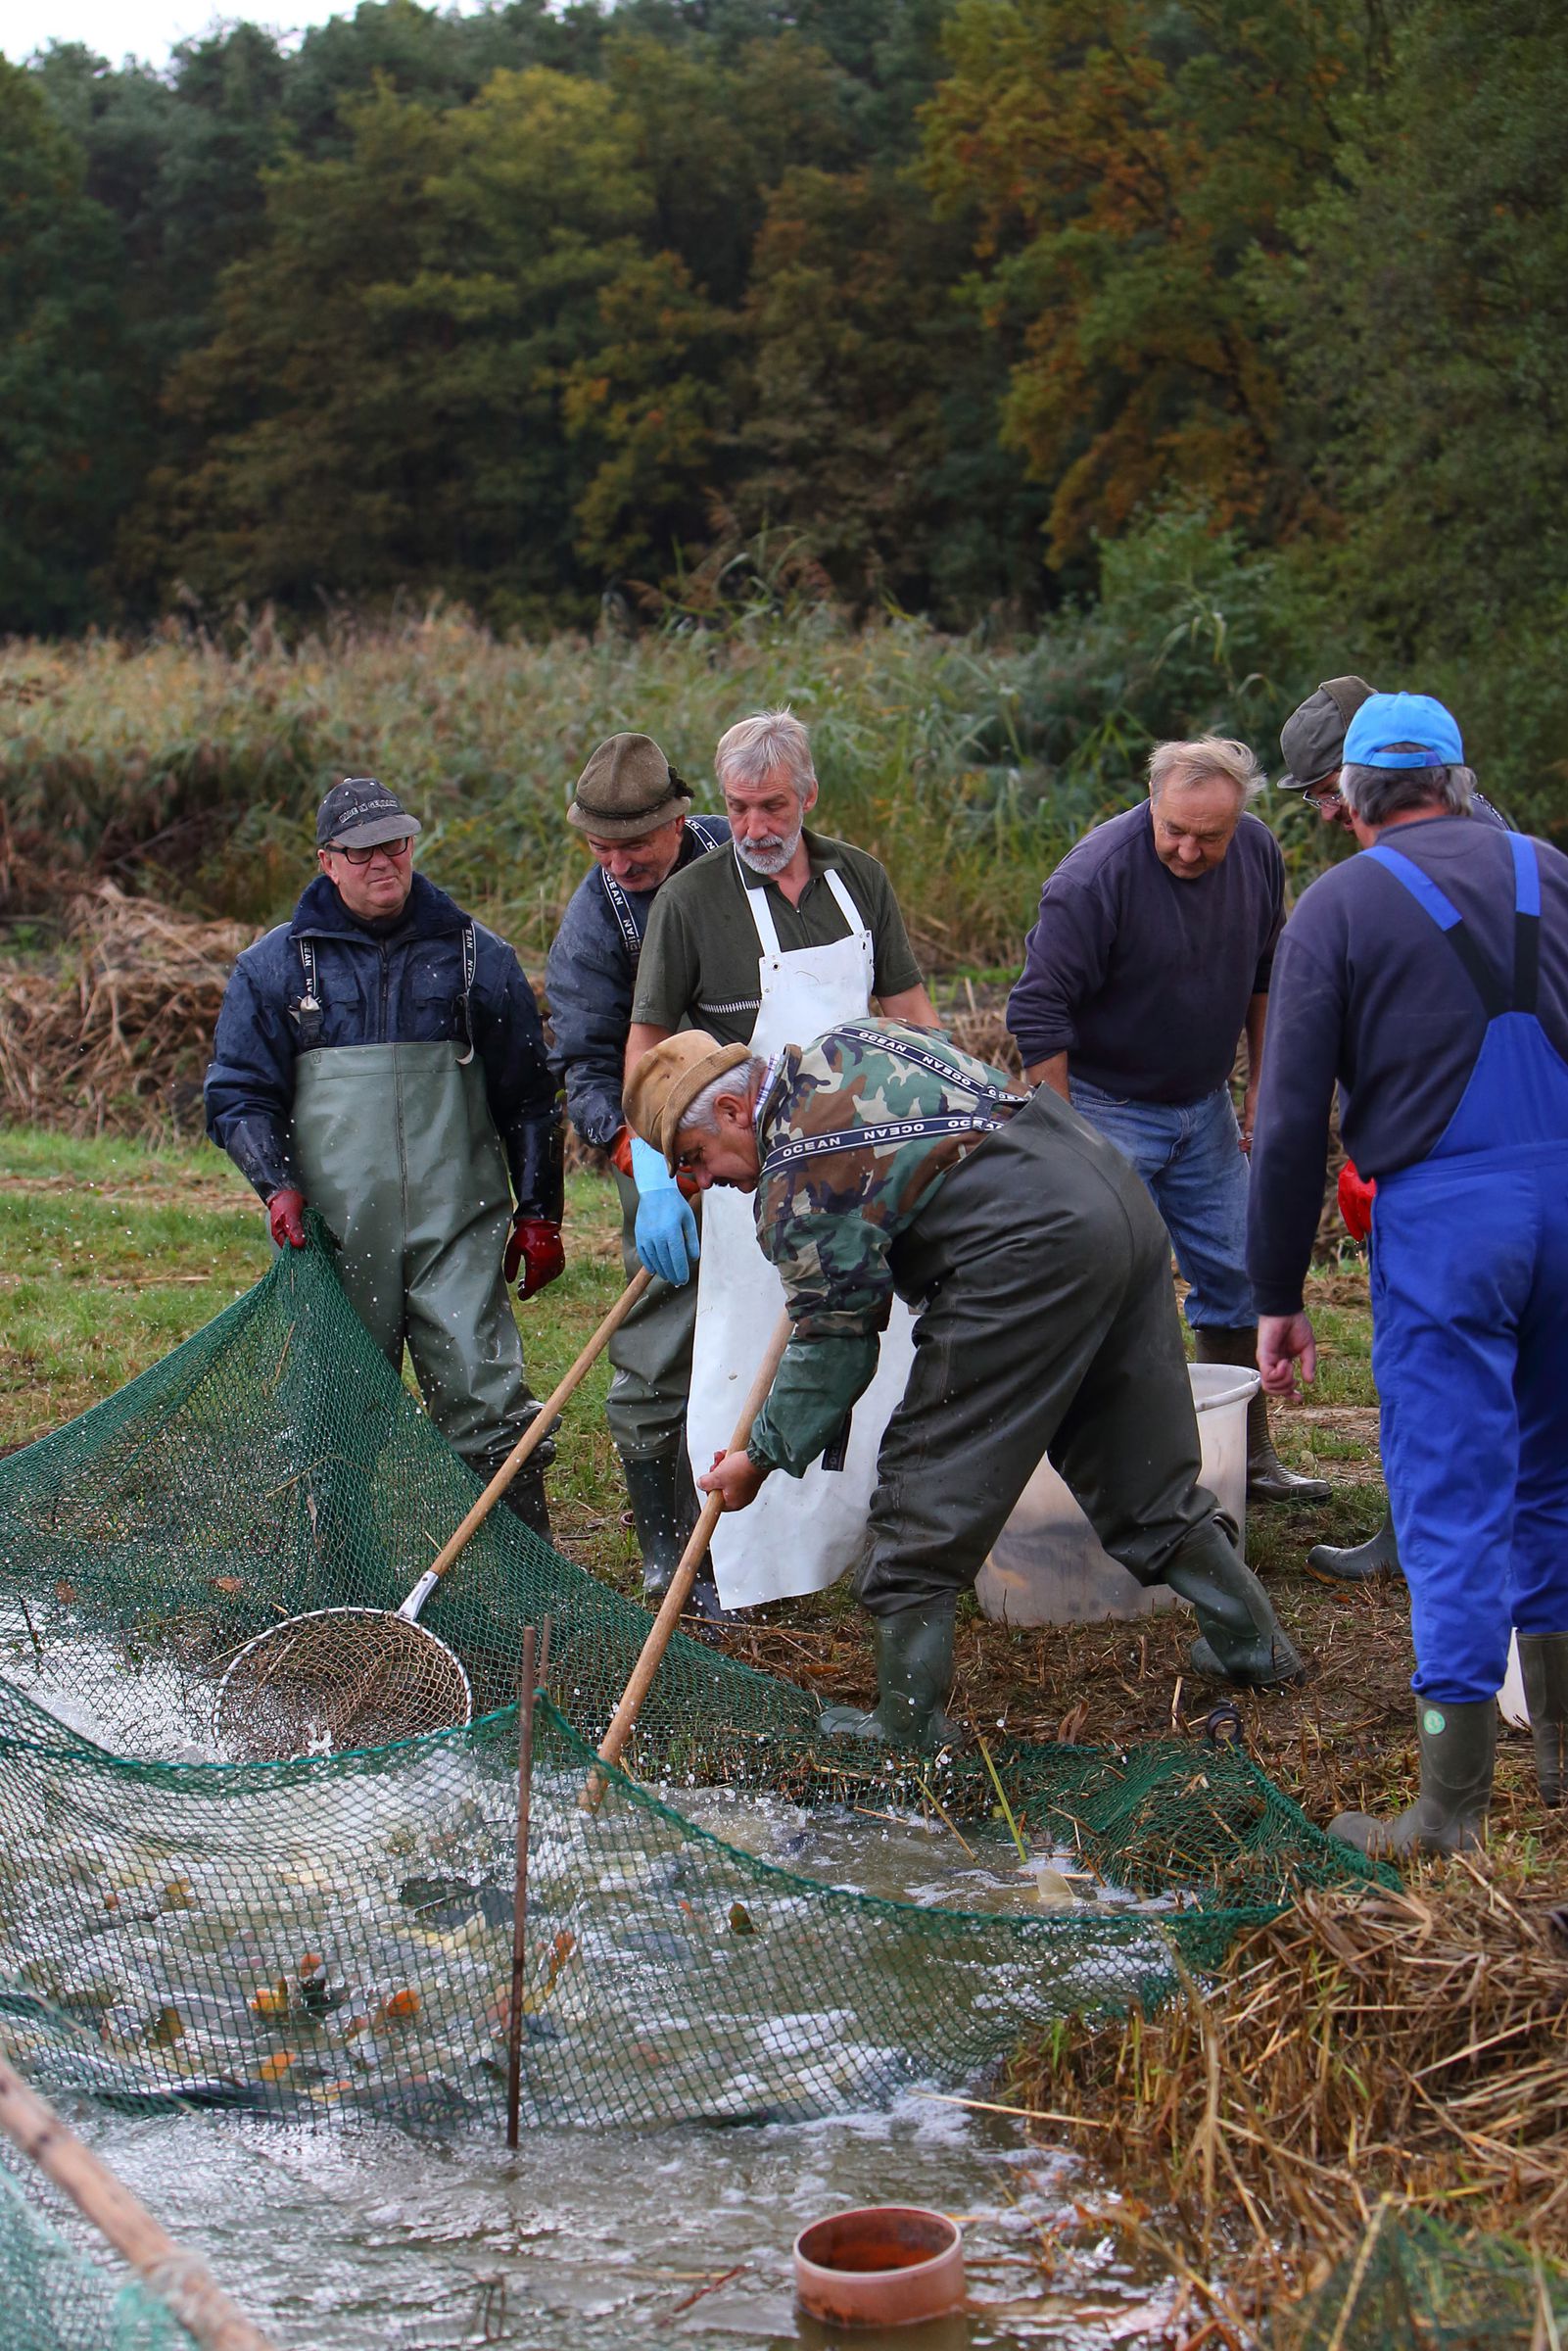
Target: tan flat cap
column 667, row 1081
column 627, row 789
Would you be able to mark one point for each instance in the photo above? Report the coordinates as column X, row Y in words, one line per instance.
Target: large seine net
column 330, row 1938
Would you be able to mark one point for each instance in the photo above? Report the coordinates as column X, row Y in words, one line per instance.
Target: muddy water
column 586, row 2241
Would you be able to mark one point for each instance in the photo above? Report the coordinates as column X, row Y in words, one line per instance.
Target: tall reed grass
column 191, row 769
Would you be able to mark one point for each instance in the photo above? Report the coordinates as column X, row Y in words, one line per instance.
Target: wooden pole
column 624, row 1719
column 534, row 1672
column 178, row 2278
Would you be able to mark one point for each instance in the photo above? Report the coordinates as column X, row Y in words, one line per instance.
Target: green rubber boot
column 1543, row 1664
column 1267, row 1478
column 914, row 1675
column 663, row 1500
column 1240, row 1639
column 1457, row 1746
column 1360, row 1562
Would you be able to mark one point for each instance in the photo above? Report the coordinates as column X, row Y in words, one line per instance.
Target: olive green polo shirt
column 699, row 966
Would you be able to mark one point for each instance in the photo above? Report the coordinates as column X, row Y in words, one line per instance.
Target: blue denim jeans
column 1189, row 1154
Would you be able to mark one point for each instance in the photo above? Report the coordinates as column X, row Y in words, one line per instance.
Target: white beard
column 769, row 858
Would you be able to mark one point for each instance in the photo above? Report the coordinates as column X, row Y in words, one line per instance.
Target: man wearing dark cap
column 1428, row 978
column 1312, row 743
column 380, row 1058
column 632, row 808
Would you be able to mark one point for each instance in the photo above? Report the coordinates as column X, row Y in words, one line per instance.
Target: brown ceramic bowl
column 882, row 2265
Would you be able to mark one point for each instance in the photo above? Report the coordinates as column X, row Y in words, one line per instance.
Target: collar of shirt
column 778, row 1080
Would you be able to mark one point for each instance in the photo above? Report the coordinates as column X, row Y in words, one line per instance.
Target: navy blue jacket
column 401, row 985
column 590, row 977
column 1367, row 991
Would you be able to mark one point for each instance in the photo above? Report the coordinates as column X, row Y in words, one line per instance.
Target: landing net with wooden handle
column 343, row 1678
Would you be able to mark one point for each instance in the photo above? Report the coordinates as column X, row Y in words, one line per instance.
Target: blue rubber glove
column 666, row 1231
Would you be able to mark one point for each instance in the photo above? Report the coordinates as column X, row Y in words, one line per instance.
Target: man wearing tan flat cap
column 633, row 809
column 885, row 1161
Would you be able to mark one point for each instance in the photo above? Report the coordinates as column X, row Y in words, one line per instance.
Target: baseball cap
column 1390, row 720
column 1312, row 738
column 668, row 1079
column 361, row 814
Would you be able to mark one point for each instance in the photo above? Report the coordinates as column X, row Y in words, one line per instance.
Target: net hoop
column 268, row 1717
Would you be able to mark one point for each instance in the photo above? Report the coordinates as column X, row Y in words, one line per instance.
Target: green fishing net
column 332, row 1936
column 58, row 2295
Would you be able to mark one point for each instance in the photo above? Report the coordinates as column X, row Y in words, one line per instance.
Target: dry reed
column 1407, row 2044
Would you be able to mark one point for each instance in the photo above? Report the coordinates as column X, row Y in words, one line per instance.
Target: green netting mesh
column 1414, row 2281
column 60, row 2298
column 332, row 1936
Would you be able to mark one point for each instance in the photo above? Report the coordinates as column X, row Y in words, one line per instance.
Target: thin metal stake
column 535, row 1662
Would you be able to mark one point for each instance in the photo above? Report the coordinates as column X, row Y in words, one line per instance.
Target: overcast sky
column 145, row 29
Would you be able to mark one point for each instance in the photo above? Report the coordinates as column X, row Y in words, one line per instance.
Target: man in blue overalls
column 1429, row 977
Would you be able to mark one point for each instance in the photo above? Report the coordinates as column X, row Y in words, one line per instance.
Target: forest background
column 1009, row 382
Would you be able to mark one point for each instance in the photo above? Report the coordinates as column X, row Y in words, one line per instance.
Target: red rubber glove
column 534, row 1244
column 285, row 1215
column 1356, row 1194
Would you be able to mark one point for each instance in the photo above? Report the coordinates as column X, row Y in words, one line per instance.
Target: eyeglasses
column 383, row 849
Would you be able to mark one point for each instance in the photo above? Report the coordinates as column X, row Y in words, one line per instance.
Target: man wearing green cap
column 882, row 1159
column 380, row 1058
column 633, row 810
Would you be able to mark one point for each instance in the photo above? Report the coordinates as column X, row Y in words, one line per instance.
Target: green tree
column 62, row 453
column 381, row 405
column 1427, row 329
column 1127, row 160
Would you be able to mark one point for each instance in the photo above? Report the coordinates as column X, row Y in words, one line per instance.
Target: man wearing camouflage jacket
column 884, row 1160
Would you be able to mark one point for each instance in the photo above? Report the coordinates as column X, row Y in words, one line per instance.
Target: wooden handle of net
column 185, row 2284
column 534, row 1435
column 624, row 1719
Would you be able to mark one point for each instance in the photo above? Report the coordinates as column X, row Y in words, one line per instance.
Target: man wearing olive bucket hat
column 884, row 1160
column 380, row 1057
column 632, row 808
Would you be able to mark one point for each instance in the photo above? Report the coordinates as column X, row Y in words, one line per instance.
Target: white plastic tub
column 1048, row 1567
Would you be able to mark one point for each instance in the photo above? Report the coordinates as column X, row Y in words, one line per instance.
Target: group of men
column 736, row 1012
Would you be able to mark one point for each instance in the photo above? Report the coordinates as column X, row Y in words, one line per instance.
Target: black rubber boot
column 914, row 1675
column 664, row 1511
column 1360, row 1562
column 525, row 1498
column 1543, row 1664
column 1267, row 1478
column 1457, row 1746
column 1240, row 1638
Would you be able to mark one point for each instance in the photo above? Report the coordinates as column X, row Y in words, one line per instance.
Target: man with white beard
column 703, row 956
column 766, row 944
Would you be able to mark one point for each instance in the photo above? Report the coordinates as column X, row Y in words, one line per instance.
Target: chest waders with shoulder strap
column 396, row 1147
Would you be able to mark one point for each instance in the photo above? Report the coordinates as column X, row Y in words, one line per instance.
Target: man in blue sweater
column 1428, row 977
column 1151, row 956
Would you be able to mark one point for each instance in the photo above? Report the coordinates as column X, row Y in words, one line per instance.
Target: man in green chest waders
column 884, row 1160
column 380, row 1057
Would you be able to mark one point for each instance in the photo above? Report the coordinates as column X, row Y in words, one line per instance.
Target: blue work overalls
column 1470, row 1329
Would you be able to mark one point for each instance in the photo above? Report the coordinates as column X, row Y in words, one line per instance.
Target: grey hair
column 1375, row 794
column 701, row 1111
column 1209, row 755
column 754, row 748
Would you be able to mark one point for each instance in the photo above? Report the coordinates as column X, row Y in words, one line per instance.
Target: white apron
column 800, row 1534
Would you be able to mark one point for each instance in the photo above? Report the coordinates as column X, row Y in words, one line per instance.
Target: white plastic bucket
column 1048, row 1567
